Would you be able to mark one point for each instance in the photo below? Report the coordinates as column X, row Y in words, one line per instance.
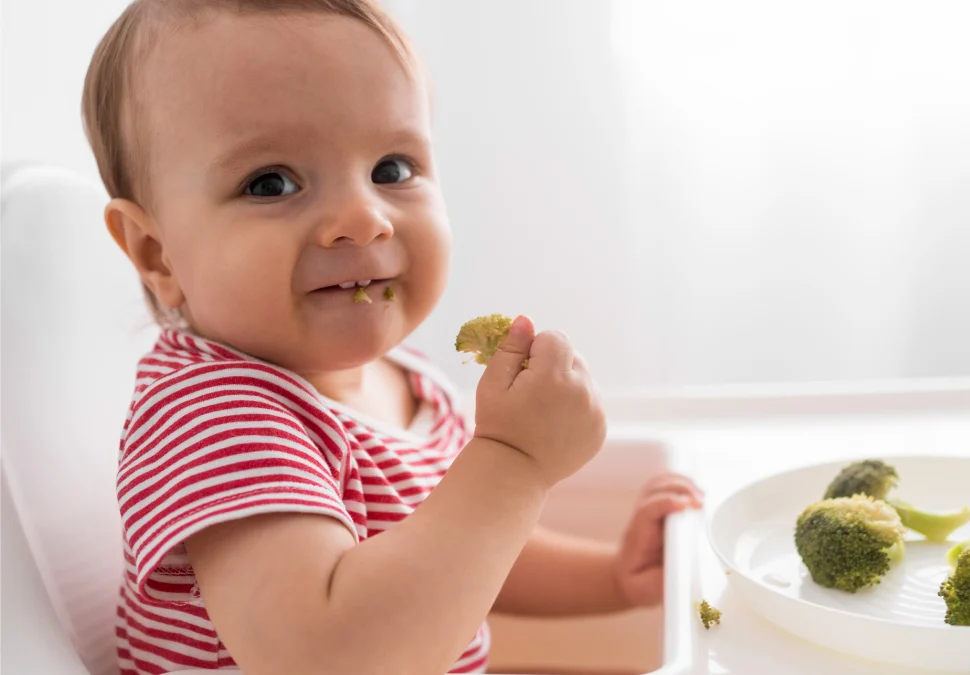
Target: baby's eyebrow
column 236, row 158
column 239, row 157
column 406, row 136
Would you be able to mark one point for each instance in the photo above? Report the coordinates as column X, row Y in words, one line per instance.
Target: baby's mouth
column 351, row 286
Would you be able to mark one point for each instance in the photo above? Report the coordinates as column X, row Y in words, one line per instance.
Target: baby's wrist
column 621, row 598
column 517, row 462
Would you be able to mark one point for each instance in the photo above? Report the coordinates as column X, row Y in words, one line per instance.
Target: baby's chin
column 345, row 339
column 330, row 334
column 336, row 354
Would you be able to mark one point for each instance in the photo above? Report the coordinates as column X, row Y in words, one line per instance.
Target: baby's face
column 290, row 156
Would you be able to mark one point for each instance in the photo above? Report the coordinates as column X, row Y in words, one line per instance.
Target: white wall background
column 698, row 192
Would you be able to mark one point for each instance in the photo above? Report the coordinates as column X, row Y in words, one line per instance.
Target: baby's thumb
column 507, row 362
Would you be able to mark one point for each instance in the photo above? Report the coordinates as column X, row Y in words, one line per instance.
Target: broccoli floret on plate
column 482, row 336
column 955, row 592
column 849, row 543
column 871, row 477
column 876, row 478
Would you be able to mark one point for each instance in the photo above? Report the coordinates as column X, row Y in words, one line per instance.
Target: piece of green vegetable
column 482, row 336
column 876, row 478
column 709, row 615
column 849, row 543
column 955, row 592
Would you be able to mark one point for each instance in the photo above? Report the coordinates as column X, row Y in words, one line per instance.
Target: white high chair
column 74, row 325
column 71, row 334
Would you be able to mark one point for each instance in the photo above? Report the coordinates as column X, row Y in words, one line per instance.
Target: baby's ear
column 137, row 235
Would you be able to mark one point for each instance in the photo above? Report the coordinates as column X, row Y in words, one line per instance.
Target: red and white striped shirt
column 214, row 435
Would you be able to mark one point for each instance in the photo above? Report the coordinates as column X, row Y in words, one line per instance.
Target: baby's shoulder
column 184, row 377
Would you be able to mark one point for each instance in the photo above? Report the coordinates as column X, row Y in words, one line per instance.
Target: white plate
column 899, row 621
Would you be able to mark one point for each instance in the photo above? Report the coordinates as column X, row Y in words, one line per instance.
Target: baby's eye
column 391, row 171
column 271, row 184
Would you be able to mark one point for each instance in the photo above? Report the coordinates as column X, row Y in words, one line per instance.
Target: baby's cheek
column 235, row 290
column 430, row 268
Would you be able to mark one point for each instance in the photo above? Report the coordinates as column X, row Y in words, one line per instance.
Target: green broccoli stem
column 936, row 527
column 954, row 553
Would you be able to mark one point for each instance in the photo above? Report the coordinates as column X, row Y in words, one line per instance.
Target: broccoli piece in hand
column 955, row 592
column 848, row 543
column 482, row 336
column 875, row 478
column 709, row 614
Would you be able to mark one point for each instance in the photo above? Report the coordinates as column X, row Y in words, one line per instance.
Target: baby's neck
column 379, row 389
column 341, row 385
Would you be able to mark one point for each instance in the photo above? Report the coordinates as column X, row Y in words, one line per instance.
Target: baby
column 273, row 182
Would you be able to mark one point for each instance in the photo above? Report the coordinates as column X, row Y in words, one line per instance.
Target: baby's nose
column 358, row 222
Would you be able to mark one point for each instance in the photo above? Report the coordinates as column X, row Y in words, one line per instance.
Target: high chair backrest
column 73, row 327
column 34, row 640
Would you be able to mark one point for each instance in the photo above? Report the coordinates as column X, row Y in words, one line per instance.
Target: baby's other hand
column 638, row 567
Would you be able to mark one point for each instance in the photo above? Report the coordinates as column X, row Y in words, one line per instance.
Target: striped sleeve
column 215, row 442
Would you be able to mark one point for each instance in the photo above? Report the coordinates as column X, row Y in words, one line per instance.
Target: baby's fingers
column 551, row 353
column 645, row 532
column 673, row 482
column 659, row 505
column 507, row 362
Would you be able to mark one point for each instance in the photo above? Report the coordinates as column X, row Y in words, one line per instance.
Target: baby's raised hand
column 547, row 409
column 638, row 566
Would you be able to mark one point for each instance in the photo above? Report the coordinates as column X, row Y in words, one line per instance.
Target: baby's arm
column 558, row 574
column 293, row 594
column 561, row 575
column 307, row 600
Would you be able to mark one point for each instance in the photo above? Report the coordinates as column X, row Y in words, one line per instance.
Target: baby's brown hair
column 109, row 105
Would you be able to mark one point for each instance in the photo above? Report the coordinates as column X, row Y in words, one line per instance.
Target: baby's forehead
column 309, row 75
column 295, row 54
